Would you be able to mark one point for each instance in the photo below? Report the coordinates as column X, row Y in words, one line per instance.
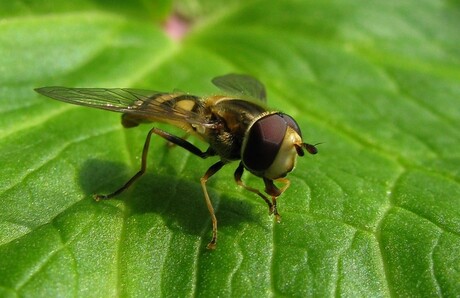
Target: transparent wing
column 241, row 85
column 151, row 105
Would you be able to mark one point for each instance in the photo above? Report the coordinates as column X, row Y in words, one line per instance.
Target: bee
column 237, row 126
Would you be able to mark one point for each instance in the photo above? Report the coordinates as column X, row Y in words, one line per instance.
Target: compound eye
column 292, row 123
column 263, row 142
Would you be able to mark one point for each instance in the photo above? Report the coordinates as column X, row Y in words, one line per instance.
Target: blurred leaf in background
column 375, row 213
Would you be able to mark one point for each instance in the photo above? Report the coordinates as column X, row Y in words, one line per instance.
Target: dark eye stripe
column 264, row 141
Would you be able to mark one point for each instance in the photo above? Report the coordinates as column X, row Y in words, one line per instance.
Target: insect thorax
column 234, row 117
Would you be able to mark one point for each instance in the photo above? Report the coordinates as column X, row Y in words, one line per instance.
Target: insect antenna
column 311, row 148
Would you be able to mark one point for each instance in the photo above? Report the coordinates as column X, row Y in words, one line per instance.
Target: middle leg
column 211, row 171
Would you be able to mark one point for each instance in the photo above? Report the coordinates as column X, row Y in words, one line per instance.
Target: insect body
column 237, row 126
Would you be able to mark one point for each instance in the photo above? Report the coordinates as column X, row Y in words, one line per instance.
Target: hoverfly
column 237, row 126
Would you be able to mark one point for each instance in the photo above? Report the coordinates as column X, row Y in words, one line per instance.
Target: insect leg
column 286, row 182
column 211, row 171
column 171, row 138
column 184, row 144
column 238, row 174
column 171, row 144
column 275, row 192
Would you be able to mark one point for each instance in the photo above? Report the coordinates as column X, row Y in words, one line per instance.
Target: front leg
column 275, row 192
column 238, row 174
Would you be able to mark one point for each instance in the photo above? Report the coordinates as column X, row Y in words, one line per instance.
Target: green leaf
column 375, row 213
